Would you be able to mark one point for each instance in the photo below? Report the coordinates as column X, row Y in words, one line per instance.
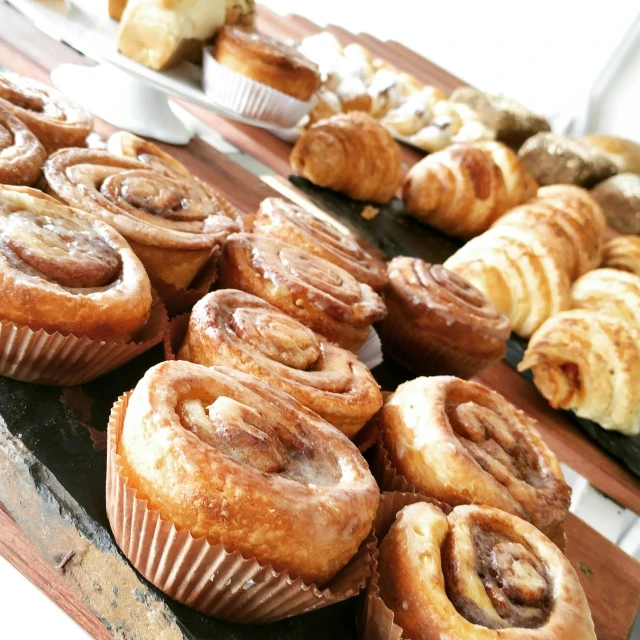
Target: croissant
column 622, row 253
column 589, row 363
column 610, row 291
column 475, row 574
column 568, row 214
column 521, row 274
column 463, row 189
column 351, row 153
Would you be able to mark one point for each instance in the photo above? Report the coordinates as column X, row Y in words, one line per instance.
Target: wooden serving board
column 52, row 459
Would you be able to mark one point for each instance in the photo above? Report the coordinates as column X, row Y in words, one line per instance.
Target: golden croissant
column 518, row 272
column 464, row 189
column 568, row 214
column 350, row 153
column 622, row 253
column 610, row 291
column 589, row 362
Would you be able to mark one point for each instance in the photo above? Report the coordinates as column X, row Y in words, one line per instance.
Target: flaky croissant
column 589, row 362
column 622, row 253
column 351, row 153
column 568, row 214
column 464, row 189
column 609, row 291
column 518, row 272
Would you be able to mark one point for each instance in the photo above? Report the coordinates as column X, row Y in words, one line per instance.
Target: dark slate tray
column 395, row 233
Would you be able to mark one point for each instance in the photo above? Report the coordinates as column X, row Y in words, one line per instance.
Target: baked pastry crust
column 625, row 154
column 478, row 573
column 464, row 189
column 437, row 323
column 54, row 119
column 63, row 270
column 283, row 220
column 319, row 294
column 622, row 253
column 351, row 153
column 21, row 154
column 609, row 291
column 116, row 9
column 589, row 363
column 172, row 223
column 461, row 443
column 224, row 455
column 619, row 198
column 233, row 328
column 268, row 61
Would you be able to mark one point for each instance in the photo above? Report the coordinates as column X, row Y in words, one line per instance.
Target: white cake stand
column 119, row 90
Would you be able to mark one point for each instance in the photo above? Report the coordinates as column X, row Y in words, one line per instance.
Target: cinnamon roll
column 281, row 219
column 129, row 145
column 589, row 363
column 622, row 253
column 21, row 154
column 224, row 456
column 170, row 222
column 319, row 294
column 62, row 270
column 234, row 328
column 438, row 323
column 54, row 119
column 461, row 443
column 478, row 573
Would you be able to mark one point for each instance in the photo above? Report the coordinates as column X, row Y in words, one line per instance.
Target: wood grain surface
column 610, row 578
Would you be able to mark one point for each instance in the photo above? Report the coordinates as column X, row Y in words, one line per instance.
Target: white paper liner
column 206, row 577
column 249, row 98
column 370, row 353
column 58, row 359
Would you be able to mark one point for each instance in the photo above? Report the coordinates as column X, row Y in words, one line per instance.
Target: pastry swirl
column 171, row 223
column 461, row 443
column 21, row 154
column 322, row 296
column 224, row 455
column 234, row 328
column 281, row 219
column 478, row 573
column 439, row 323
column 622, row 253
column 62, row 270
column 54, row 119
column 609, row 291
column 588, row 362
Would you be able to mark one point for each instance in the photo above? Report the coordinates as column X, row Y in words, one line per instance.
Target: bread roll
column 619, row 198
column 625, row 154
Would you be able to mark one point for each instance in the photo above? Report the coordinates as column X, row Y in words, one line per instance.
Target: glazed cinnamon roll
column 589, row 363
column 171, row 223
column 21, row 154
column 461, row 443
column 281, row 219
column 478, row 573
column 129, row 145
column 223, row 455
column 54, row 119
column 438, row 323
column 319, row 294
column 234, row 328
column 62, row 270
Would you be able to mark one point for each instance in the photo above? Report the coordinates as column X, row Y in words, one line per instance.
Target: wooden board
column 608, row 575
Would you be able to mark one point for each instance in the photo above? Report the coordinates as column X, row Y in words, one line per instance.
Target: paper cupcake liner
column 178, row 299
column 206, row 577
column 370, row 353
column 401, row 342
column 375, row 620
column 57, row 359
column 249, row 98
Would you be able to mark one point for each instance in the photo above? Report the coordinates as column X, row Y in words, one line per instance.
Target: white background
column 545, row 53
